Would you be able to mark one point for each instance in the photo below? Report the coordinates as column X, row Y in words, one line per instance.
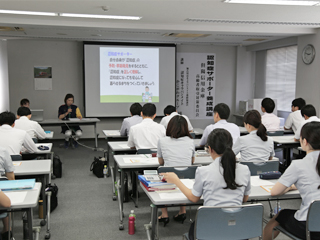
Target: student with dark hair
column 222, row 183
column 23, row 122
column 269, row 120
column 67, row 111
column 256, row 146
column 295, row 118
column 171, row 111
column 13, row 139
column 308, row 112
column 221, row 113
column 176, row 149
column 305, row 175
column 145, row 135
column 25, row 103
column 135, row 111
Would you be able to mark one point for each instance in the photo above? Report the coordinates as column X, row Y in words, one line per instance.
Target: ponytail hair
column 253, row 118
column 311, row 132
column 220, row 140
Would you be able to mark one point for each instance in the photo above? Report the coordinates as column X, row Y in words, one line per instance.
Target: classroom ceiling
column 162, row 21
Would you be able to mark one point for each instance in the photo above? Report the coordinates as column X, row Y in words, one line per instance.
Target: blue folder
column 17, row 184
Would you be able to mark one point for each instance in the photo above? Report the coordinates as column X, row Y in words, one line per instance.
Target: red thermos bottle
column 131, row 225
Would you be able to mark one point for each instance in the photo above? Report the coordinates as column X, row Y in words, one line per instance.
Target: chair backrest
column 193, row 135
column 259, row 167
column 16, row 157
column 275, row 133
column 239, row 222
column 313, row 218
column 146, row 151
column 182, row 172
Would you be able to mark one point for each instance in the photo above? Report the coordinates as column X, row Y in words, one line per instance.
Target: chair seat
column 281, row 229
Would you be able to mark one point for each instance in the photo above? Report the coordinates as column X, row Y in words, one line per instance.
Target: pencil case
column 270, row 175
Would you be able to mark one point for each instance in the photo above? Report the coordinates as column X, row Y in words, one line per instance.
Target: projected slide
column 129, row 75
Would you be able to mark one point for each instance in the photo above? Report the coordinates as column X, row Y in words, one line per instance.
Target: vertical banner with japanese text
column 195, row 84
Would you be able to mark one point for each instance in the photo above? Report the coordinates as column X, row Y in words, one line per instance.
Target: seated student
column 295, row 118
column 256, row 146
column 310, row 115
column 135, row 118
column 25, row 103
column 146, row 134
column 13, row 139
column 305, row 175
column 171, row 111
column 221, row 113
column 222, row 183
column 67, row 111
column 269, row 120
column 176, row 149
column 31, row 127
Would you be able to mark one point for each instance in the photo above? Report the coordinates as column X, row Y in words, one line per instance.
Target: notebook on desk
column 11, row 185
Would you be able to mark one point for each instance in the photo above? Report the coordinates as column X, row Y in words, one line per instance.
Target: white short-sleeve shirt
column 176, row 151
column 13, row 139
column 230, row 127
column 303, row 174
column 165, row 120
column 31, row 127
column 310, row 119
column 128, row 123
column 146, row 134
column 270, row 121
column 210, row 183
column 252, row 148
column 6, row 164
column 294, row 120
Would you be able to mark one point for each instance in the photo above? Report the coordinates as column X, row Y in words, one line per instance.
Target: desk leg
column 114, row 172
column 95, row 134
column 30, row 224
column 154, row 216
column 43, row 193
column 120, row 199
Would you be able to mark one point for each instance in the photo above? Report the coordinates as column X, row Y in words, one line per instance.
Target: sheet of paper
column 123, row 145
column 188, row 183
column 16, row 164
column 256, row 181
column 16, row 197
column 172, row 195
column 42, row 84
column 142, row 160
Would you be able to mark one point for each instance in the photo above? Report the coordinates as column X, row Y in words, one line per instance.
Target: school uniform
column 13, row 139
column 176, row 151
column 6, row 164
column 252, row 148
column 165, row 120
column 270, row 121
column 146, row 134
column 31, row 127
column 310, row 119
column 303, row 174
column 128, row 123
column 294, row 120
column 230, row 127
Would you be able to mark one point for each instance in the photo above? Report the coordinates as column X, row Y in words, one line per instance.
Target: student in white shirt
column 310, row 115
column 176, row 149
column 146, row 134
column 295, row 118
column 221, row 113
column 222, row 183
column 171, row 111
column 25, row 103
column 305, row 175
column 13, row 139
column 135, row 111
column 269, row 120
column 31, row 127
column 256, row 146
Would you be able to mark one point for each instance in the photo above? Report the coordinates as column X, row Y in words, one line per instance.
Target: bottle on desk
column 132, row 219
column 105, row 171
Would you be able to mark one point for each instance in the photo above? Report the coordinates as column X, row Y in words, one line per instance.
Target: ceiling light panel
column 28, row 13
column 276, row 2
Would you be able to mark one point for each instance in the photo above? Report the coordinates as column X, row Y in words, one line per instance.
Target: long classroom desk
column 84, row 121
column 286, row 142
column 244, row 131
column 48, row 154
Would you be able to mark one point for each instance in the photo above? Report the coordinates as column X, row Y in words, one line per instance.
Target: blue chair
column 259, row 167
column 182, row 172
column 228, row 223
column 193, row 135
column 312, row 224
column 16, row 157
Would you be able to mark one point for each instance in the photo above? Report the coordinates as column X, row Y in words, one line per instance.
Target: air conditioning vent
column 185, row 35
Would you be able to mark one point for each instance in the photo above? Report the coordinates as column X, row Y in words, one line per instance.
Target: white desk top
column 198, row 131
column 32, row 167
column 285, row 139
column 49, row 145
column 112, row 133
column 49, row 135
column 57, row 121
column 243, row 130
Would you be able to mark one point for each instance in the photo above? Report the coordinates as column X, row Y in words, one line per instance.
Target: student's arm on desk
column 296, row 140
column 10, row 175
column 173, row 178
column 280, row 189
column 4, row 200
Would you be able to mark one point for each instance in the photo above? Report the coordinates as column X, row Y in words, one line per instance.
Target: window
column 281, row 76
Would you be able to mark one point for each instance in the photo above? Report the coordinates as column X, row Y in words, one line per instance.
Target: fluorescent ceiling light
column 99, row 16
column 276, row 2
column 28, row 13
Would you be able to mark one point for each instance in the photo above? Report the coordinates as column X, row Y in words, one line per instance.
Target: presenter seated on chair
column 222, row 183
column 67, row 111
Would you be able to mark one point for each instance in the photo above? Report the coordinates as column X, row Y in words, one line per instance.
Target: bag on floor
column 54, row 196
column 57, row 166
column 97, row 166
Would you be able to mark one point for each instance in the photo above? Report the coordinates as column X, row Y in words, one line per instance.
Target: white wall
column 4, row 80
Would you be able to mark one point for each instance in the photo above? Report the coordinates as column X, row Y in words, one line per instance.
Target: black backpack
column 97, row 167
column 54, row 195
column 57, row 166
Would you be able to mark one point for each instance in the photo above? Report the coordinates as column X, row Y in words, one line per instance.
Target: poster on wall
column 195, row 84
column 42, row 78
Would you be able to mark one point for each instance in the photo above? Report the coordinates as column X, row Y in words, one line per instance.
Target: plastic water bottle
column 115, row 188
column 105, row 171
column 133, row 215
column 277, row 209
column 131, row 225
